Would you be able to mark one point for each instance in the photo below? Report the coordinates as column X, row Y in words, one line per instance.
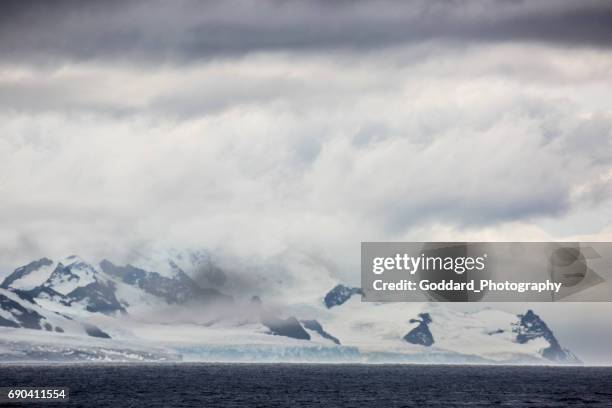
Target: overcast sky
column 259, row 127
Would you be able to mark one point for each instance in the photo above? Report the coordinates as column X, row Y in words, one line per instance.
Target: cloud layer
column 278, row 150
column 189, row 30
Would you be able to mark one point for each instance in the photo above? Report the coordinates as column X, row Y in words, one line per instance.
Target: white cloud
column 261, row 153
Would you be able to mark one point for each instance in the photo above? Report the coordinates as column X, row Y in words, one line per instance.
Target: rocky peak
column 421, row 334
column 24, row 271
column 531, row 327
column 289, row 327
column 315, row 326
column 180, row 288
column 16, row 314
column 340, row 294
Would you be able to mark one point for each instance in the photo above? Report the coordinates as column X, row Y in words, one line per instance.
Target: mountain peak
column 531, row 326
column 75, row 260
column 24, row 274
column 340, row 294
column 421, row 334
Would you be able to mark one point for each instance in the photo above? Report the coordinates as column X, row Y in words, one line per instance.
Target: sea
column 314, row 385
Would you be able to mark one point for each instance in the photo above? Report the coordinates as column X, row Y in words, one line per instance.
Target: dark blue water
column 253, row 385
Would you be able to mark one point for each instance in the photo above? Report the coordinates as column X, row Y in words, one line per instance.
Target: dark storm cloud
column 187, row 30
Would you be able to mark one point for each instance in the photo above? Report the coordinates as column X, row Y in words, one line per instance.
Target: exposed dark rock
column 41, row 292
column 289, row 327
column 25, row 295
column 178, row 289
column 425, row 318
column 128, row 274
column 8, row 323
column 98, row 297
column 95, row 331
column 531, row 327
column 316, row 326
column 23, row 271
column 420, row 335
column 62, row 274
column 22, row 316
column 340, row 294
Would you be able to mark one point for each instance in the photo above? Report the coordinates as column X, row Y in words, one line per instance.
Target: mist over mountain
column 179, row 308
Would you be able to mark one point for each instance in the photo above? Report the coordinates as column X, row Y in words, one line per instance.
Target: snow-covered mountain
column 173, row 307
column 72, row 285
column 435, row 331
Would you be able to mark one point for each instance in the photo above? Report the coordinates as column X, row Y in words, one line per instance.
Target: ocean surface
column 296, row 385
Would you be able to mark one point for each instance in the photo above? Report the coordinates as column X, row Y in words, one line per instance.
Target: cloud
column 185, row 31
column 270, row 152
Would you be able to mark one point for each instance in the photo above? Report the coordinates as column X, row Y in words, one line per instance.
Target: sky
column 255, row 128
